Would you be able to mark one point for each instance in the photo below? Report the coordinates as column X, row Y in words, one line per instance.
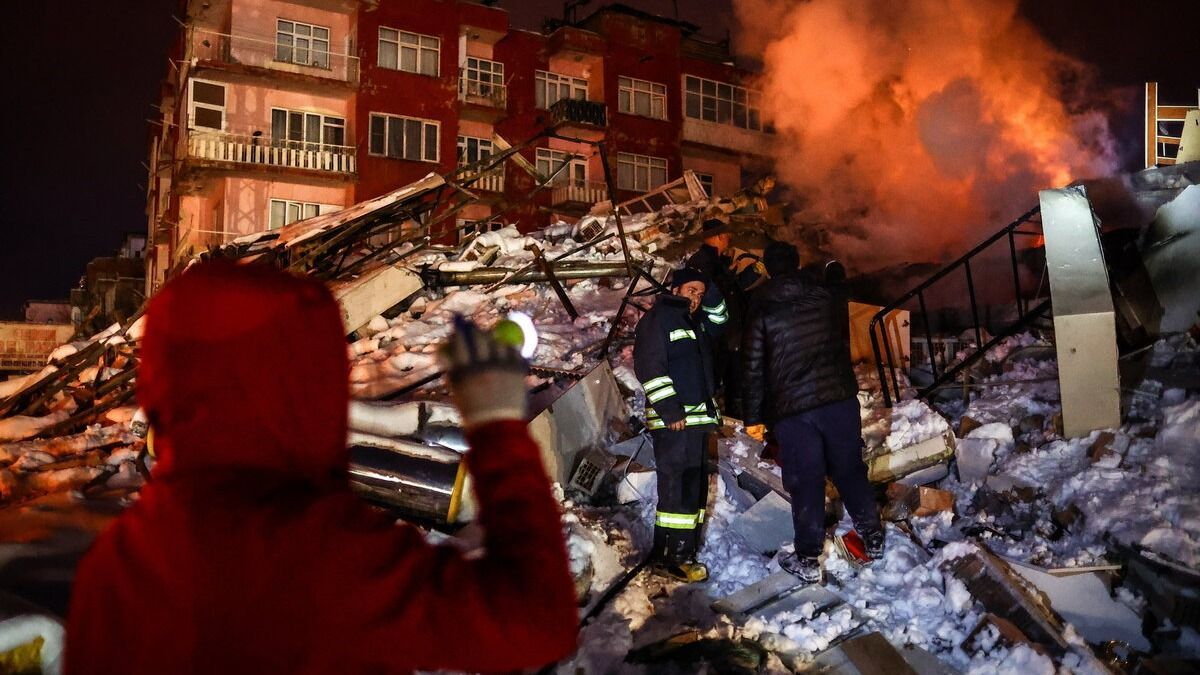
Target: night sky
column 82, row 76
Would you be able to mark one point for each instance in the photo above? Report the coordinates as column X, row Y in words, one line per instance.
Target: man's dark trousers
column 681, row 464
column 826, row 439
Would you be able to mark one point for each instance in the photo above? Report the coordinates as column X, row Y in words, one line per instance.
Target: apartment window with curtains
column 472, row 149
column 404, row 137
column 410, row 52
column 640, row 173
column 640, row 97
column 713, row 101
column 301, row 43
column 550, row 88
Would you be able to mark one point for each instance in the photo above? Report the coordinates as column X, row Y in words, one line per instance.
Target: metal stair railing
column 1030, row 304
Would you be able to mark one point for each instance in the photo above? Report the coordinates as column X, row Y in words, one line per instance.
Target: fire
column 910, row 130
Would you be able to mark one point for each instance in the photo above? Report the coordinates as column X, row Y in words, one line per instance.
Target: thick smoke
column 911, row 130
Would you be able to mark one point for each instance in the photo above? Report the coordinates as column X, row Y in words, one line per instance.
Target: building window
column 301, row 43
column 483, row 77
column 208, row 105
column 639, row 97
column 549, row 162
column 471, row 149
column 310, row 131
column 404, row 138
column 410, row 52
column 286, row 211
column 640, row 173
column 550, row 88
column 706, row 181
column 722, row 103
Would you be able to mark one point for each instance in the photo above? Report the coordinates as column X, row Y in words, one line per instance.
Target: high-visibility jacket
column 672, row 357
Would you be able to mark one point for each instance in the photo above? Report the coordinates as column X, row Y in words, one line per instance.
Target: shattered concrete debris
column 767, row 525
column 863, row 655
column 884, row 466
column 919, row 501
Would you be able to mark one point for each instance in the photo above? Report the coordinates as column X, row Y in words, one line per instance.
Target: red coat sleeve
column 511, row 608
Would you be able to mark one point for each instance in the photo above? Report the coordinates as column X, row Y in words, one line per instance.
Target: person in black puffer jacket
column 798, row 379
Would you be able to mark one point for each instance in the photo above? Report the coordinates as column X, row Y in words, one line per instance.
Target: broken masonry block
column 767, row 525
column 863, row 655
column 886, row 466
column 919, row 501
column 1007, row 634
column 966, row 425
column 1003, row 593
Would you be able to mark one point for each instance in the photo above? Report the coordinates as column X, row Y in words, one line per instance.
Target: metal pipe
column 565, row 270
column 974, row 303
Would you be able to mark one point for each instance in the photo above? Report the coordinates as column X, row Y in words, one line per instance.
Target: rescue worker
column 672, row 357
column 800, row 381
column 248, row 553
column 736, row 273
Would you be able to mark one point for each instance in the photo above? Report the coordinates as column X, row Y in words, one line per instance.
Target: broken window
column 310, row 131
column 640, row 173
column 722, row 103
column 208, row 105
column 410, row 52
column 550, row 161
column 639, row 97
column 404, row 138
column 286, row 211
column 706, row 181
column 550, row 88
column 301, row 43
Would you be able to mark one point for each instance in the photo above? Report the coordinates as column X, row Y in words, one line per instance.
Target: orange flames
column 910, row 130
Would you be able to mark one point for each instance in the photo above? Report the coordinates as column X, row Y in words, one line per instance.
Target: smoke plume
column 908, row 131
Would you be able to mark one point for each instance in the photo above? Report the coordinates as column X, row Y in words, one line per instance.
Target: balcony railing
column 481, row 93
column 492, row 181
column 574, row 111
column 577, row 192
column 221, row 147
column 246, row 50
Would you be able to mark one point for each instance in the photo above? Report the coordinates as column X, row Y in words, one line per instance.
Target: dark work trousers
column 682, row 467
column 827, row 439
column 731, row 387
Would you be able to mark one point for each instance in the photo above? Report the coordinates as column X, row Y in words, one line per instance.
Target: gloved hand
column 757, row 432
column 487, row 378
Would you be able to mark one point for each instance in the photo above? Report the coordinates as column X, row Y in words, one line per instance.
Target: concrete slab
column 767, row 525
column 1083, row 601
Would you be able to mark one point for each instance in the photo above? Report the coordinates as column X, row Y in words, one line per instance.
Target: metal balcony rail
column 222, row 147
column 566, row 191
column 1029, row 299
column 575, row 111
column 481, row 93
column 488, row 181
column 259, row 52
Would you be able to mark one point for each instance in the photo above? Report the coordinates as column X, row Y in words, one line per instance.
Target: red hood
column 245, row 367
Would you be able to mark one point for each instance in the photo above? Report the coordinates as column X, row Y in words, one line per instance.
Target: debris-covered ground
column 1017, row 496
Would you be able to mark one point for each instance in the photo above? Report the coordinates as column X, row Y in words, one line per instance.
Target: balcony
column 482, row 101
column 727, row 137
column 492, row 181
column 574, row 112
column 214, row 146
column 254, row 54
column 577, row 193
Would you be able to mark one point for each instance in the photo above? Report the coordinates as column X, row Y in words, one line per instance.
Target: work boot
column 875, row 542
column 689, row 572
column 803, row 568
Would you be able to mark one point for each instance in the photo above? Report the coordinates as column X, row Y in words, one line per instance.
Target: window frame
column 311, row 38
column 416, row 42
column 630, row 88
column 326, row 123
column 542, row 86
column 388, row 121
column 551, row 156
column 714, row 96
column 463, row 149
column 193, row 104
column 301, row 206
column 709, row 185
column 646, row 162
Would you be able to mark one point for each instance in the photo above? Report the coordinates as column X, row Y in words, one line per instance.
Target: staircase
column 1005, row 275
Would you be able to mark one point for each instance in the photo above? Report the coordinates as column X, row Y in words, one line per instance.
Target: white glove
column 487, row 378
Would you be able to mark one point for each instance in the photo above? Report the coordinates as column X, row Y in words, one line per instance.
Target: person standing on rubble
column 800, row 381
column 736, row 273
column 672, row 357
column 249, row 553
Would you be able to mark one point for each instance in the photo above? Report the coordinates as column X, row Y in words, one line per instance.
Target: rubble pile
column 1010, row 548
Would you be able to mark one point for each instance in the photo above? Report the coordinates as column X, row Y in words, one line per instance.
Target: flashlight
column 517, row 330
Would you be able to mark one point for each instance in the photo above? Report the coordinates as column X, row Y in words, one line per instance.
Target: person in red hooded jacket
column 247, row 552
